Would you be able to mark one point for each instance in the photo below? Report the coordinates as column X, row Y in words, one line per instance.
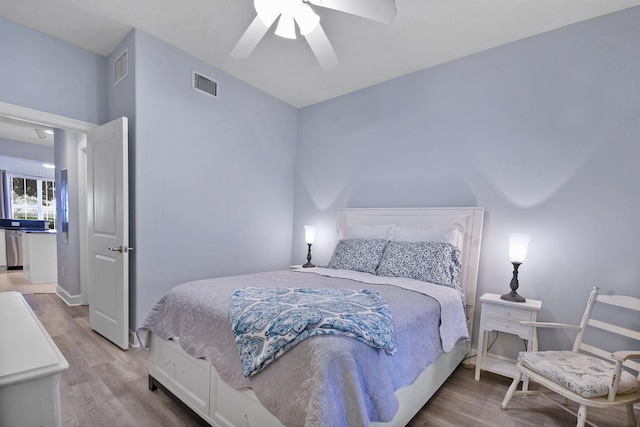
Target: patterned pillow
column 358, row 254
column 434, row 262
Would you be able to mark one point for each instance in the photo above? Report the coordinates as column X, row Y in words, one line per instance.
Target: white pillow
column 365, row 232
column 453, row 234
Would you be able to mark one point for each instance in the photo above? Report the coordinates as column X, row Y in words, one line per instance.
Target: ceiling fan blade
column 377, row 10
column 322, row 49
column 250, row 39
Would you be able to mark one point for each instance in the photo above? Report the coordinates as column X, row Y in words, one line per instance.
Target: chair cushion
column 584, row 375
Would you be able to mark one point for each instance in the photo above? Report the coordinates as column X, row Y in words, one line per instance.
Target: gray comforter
column 327, row 380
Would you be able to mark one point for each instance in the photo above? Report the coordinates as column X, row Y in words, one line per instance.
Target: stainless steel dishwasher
column 13, row 240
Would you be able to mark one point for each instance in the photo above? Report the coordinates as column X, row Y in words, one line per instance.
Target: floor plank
column 462, row 401
column 14, row 280
column 106, row 386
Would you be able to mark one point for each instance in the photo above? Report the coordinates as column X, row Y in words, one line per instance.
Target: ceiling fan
column 292, row 12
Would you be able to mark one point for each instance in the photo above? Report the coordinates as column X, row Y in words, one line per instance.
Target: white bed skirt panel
column 196, row 383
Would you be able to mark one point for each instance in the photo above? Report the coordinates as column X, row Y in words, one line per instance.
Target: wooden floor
column 105, row 386
column 14, row 280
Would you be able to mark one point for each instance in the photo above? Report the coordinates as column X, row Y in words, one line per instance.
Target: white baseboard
column 69, row 299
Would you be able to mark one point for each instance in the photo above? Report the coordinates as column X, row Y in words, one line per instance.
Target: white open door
column 108, row 223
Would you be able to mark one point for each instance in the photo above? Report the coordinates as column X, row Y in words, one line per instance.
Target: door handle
column 121, row 249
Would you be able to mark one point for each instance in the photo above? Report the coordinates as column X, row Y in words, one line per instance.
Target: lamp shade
column 309, row 233
column 518, row 244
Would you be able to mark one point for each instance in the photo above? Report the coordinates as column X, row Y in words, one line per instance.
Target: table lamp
column 518, row 244
column 309, row 236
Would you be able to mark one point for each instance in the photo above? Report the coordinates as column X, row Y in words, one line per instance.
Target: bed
column 329, row 379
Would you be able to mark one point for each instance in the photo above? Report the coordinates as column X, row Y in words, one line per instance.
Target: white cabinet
column 505, row 316
column 186, row 377
column 39, row 256
column 196, row 383
column 30, row 367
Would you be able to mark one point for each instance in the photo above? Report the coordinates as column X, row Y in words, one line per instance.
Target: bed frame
column 196, row 383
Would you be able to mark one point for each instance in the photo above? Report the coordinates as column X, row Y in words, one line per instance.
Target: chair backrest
column 626, row 308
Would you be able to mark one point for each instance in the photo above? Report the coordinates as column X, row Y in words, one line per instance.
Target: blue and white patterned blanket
column 267, row 322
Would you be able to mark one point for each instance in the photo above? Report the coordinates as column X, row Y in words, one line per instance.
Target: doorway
column 64, row 123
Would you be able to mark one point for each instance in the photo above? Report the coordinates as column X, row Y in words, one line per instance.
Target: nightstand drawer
column 502, row 325
column 507, row 313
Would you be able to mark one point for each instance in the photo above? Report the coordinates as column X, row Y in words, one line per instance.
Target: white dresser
column 30, row 367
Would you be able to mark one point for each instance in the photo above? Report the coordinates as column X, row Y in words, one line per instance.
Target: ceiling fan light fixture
column 306, row 19
column 300, row 13
column 267, row 10
column 286, row 27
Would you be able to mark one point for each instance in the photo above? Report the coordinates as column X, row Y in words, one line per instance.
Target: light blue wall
column 68, row 252
column 543, row 133
column 213, row 178
column 47, row 74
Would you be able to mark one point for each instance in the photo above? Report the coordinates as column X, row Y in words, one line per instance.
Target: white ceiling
column 424, row 33
column 18, row 130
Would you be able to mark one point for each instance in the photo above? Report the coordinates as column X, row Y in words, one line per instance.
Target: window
column 33, row 198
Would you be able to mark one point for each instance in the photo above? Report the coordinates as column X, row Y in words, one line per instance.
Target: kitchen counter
column 11, row 233
column 39, row 256
column 24, row 224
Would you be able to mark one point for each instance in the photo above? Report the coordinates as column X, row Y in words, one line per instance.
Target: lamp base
column 513, row 297
column 308, row 264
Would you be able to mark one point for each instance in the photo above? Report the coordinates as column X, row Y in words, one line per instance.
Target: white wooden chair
column 601, row 382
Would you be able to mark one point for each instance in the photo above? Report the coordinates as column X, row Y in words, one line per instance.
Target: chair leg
column 631, row 417
column 511, row 391
column 582, row 416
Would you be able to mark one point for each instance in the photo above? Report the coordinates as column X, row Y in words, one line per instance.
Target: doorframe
column 42, row 117
column 61, row 122
column 83, row 218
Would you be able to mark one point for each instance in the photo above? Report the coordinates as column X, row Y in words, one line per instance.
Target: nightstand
column 505, row 316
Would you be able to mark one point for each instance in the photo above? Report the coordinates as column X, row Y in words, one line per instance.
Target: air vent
column 205, row 84
column 120, row 68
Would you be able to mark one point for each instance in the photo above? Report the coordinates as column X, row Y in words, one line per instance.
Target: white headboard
column 470, row 219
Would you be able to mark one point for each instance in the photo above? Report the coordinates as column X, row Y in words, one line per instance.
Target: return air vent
column 121, row 68
column 205, row 84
